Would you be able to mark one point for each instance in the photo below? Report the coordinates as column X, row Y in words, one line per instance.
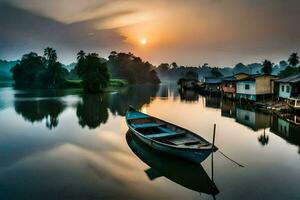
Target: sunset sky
column 190, row 32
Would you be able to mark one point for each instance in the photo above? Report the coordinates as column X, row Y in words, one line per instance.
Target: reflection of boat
column 186, row 174
column 167, row 137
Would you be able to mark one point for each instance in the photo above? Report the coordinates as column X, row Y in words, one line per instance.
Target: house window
column 247, row 117
column 288, row 89
column 247, row 87
column 282, row 88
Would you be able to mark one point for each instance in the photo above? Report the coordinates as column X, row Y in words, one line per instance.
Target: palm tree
column 50, row 54
column 53, row 65
column 174, row 65
column 294, row 59
column 267, row 67
column 80, row 55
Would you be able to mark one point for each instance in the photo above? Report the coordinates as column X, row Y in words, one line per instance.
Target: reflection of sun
column 143, row 41
column 144, row 110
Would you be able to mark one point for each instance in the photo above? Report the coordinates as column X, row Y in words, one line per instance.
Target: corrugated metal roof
column 253, row 77
column 290, row 79
column 212, row 80
column 229, row 78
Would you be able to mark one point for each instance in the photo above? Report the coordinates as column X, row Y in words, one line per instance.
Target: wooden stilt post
column 214, row 136
column 212, row 156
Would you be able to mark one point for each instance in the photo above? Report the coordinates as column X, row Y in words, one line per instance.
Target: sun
column 143, row 41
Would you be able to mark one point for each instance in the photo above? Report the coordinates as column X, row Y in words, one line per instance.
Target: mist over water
column 63, row 144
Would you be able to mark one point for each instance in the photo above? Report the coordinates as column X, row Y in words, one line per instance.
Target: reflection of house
column 212, row 85
column 228, row 109
column 188, row 83
column 252, row 119
column 188, row 95
column 289, row 88
column 286, row 130
column 255, row 87
column 228, row 86
column 212, row 101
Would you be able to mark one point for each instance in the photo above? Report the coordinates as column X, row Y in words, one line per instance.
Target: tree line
column 93, row 72
column 292, row 68
column 132, row 68
column 174, row 71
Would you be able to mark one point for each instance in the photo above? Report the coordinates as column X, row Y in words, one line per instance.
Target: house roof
column 229, row 78
column 233, row 78
column 290, row 79
column 241, row 73
column 253, row 77
column 212, row 80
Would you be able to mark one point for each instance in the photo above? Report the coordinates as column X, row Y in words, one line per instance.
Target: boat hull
column 185, row 173
column 193, row 155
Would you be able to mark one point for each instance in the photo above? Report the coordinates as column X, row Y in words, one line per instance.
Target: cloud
column 22, row 31
column 189, row 32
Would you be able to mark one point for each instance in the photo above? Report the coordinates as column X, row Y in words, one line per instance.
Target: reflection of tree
column 92, row 110
column 263, row 139
column 136, row 96
column 36, row 111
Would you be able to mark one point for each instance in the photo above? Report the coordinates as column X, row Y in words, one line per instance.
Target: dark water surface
column 67, row 145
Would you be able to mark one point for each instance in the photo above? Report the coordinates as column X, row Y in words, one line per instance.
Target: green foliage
column 294, row 59
column 132, row 68
column 289, row 71
column 174, row 65
column 34, row 71
column 117, row 83
column 30, row 71
column 94, row 73
column 216, row 73
column 55, row 72
column 163, row 68
column 267, row 67
column 191, row 75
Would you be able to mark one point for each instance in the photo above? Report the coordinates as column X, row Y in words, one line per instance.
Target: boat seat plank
column 182, row 141
column 145, row 125
column 162, row 135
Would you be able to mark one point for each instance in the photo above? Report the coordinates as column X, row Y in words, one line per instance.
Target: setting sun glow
column 143, row 41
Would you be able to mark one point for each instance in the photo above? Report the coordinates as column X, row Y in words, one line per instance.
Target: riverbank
column 113, row 85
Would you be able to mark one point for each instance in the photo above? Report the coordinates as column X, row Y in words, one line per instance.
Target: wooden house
column 289, row 89
column 212, row 85
column 228, row 85
column 255, row 87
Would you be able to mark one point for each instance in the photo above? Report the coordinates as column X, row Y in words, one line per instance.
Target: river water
column 63, row 144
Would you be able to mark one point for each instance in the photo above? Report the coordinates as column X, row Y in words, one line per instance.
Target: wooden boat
column 184, row 173
column 294, row 103
column 167, row 137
